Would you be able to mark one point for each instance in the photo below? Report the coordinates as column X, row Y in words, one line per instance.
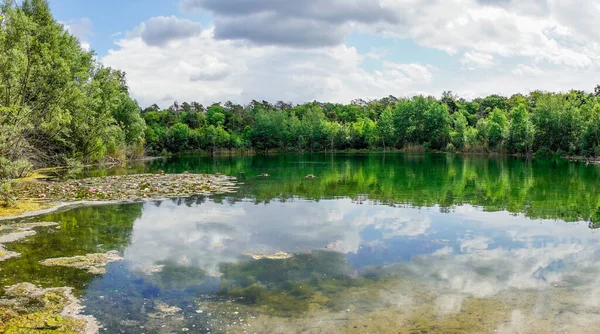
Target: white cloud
column 523, row 70
column 82, row 29
column 202, row 68
column 502, row 46
column 474, row 60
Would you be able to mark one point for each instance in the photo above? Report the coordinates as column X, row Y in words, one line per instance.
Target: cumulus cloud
column 299, row 51
column 212, row 70
column 310, row 23
column 474, row 60
column 523, row 70
column 158, row 31
column 82, row 29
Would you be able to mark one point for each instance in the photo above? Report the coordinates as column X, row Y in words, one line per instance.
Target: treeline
column 543, row 123
column 58, row 104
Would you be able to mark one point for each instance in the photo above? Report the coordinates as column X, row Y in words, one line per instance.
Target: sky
column 339, row 50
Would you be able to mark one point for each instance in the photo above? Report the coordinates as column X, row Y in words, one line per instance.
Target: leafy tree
column 215, row 115
column 385, row 127
column 497, row 127
column 436, row 126
column 178, row 137
column 591, row 136
column 521, row 132
column 459, row 135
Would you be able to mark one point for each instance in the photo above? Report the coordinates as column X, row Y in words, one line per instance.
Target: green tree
column 385, row 128
column 178, row 137
column 521, row 132
column 460, row 130
column 497, row 128
column 591, row 136
column 215, row 115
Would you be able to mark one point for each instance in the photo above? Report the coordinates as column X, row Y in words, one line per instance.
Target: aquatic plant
column 93, row 263
column 30, row 309
column 127, row 187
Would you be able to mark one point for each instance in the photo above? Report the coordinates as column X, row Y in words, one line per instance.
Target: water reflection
column 347, row 256
column 551, row 189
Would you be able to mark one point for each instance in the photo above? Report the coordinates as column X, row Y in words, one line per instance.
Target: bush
column 6, row 197
column 544, row 152
column 14, row 169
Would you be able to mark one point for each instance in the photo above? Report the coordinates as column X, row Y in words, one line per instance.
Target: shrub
column 544, row 152
column 14, row 169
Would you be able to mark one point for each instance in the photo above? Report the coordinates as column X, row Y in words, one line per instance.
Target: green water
column 553, row 189
column 374, row 243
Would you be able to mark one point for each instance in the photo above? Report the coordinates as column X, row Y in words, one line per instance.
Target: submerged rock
column 30, row 309
column 148, row 269
column 28, row 226
column 16, row 232
column 166, row 311
column 93, row 263
column 5, row 254
column 16, row 236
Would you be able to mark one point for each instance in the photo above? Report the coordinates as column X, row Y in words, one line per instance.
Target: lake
column 374, row 243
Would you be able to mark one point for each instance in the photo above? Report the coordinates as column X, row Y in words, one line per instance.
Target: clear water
column 375, row 243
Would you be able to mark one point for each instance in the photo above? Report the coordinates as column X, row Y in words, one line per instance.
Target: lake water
column 375, row 243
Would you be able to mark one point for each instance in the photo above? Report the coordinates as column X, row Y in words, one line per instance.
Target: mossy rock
column 43, row 322
column 93, row 263
column 36, row 310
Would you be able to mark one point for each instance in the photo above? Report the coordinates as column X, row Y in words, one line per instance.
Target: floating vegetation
column 30, row 309
column 93, row 263
column 275, row 256
column 127, row 187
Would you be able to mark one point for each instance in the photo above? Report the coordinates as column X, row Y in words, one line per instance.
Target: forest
column 540, row 123
column 60, row 106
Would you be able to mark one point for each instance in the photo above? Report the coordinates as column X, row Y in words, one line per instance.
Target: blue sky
column 337, row 50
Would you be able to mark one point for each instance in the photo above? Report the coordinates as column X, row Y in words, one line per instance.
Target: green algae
column 29, row 309
column 93, row 263
column 43, row 322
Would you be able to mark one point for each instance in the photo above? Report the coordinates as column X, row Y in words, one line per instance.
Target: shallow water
column 375, row 243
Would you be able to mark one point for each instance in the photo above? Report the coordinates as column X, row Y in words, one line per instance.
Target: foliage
column 562, row 123
column 520, row 135
column 56, row 101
